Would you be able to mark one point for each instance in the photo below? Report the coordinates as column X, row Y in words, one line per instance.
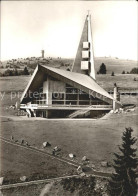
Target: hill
column 112, row 64
column 115, row 65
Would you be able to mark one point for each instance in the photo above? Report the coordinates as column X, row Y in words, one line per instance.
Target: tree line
column 15, row 72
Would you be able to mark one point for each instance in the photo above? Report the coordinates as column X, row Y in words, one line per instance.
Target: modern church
column 56, row 93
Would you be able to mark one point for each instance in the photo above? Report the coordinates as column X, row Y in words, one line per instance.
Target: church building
column 56, row 93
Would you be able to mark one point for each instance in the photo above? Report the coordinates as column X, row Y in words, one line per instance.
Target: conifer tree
column 123, row 181
column 25, row 71
column 102, row 69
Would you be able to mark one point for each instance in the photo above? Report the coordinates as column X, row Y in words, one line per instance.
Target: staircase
column 80, row 113
column 84, row 113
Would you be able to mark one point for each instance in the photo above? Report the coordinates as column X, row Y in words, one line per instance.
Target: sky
column 27, row 27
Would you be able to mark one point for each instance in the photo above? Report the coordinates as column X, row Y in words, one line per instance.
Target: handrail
column 60, row 105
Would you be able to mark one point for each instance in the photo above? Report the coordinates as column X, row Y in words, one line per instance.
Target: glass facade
column 40, row 99
column 71, row 96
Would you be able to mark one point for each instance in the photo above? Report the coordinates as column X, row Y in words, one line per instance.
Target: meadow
column 17, row 162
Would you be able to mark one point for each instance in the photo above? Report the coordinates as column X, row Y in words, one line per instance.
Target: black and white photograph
column 68, row 98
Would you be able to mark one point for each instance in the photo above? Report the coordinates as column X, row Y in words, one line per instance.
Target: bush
column 134, row 71
column 85, row 186
column 16, row 72
column 112, row 74
column 8, row 72
column 61, row 64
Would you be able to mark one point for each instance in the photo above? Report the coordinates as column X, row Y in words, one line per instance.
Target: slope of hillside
column 115, row 65
column 112, row 64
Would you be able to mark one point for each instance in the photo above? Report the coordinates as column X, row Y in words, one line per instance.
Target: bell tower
column 84, row 61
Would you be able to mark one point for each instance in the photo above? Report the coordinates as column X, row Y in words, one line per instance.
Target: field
column 96, row 139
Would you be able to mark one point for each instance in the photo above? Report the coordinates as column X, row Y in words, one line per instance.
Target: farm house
column 53, row 92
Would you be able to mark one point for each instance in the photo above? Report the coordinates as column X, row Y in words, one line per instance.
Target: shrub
column 85, row 186
column 61, row 64
column 112, row 74
column 16, row 72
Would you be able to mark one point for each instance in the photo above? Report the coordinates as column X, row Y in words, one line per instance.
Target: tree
column 112, row 74
column 25, row 71
column 123, row 182
column 10, row 73
column 102, row 69
column 61, row 64
column 123, row 72
column 16, row 72
column 134, row 71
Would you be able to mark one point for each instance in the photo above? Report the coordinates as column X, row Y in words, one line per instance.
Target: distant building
column 53, row 92
column 43, row 53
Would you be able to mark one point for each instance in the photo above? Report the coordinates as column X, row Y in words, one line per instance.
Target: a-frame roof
column 81, row 81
